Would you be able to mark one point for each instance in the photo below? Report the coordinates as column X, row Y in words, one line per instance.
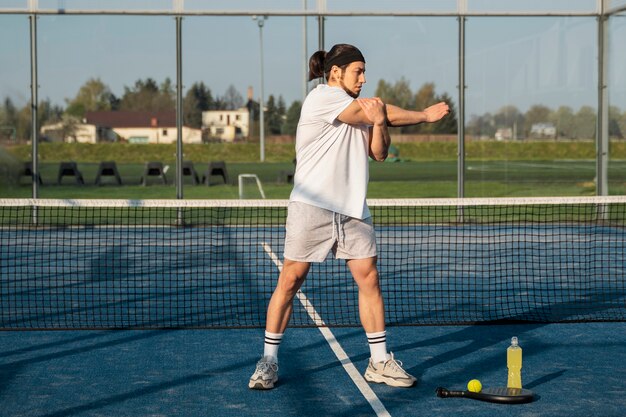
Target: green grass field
column 387, row 180
column 506, row 172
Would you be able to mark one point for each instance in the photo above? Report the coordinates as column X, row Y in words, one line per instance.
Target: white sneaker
column 389, row 372
column 265, row 374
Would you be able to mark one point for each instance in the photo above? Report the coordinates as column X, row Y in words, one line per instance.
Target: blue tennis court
column 137, row 315
column 575, row 369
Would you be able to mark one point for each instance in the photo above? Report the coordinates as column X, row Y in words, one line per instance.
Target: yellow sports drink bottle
column 514, row 363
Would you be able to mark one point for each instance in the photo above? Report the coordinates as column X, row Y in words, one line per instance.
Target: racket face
column 506, row 395
column 500, row 395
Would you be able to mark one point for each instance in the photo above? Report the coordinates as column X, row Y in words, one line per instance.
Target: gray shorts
column 313, row 232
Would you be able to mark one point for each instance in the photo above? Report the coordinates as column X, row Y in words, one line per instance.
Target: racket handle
column 446, row 393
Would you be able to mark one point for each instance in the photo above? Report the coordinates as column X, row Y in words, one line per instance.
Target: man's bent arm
column 379, row 142
column 379, row 139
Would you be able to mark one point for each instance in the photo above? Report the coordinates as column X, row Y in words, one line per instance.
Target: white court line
column 348, row 366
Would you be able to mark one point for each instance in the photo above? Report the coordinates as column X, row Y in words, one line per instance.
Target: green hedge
column 249, row 152
column 512, row 151
column 139, row 153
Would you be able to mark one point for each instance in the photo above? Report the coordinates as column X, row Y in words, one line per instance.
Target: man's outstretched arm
column 397, row 116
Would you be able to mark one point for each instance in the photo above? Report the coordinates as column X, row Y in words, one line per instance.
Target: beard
column 348, row 91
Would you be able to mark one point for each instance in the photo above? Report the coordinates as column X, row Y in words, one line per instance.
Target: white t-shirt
column 332, row 168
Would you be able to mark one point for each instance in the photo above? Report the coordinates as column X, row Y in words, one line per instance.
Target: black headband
column 343, row 59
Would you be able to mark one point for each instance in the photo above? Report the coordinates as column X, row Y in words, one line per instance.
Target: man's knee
column 292, row 276
column 370, row 280
column 367, row 279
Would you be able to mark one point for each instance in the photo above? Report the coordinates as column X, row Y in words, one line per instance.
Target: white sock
column 272, row 343
column 378, row 346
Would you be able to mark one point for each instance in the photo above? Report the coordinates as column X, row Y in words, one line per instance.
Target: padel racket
column 500, row 395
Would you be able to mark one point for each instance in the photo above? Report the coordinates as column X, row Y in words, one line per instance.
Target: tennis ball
column 474, row 386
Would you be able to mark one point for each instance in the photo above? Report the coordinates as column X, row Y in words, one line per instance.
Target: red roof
column 165, row 118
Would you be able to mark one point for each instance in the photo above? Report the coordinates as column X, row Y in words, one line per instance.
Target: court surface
column 575, row 370
column 163, row 277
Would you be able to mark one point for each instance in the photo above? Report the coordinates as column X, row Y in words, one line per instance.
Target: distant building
column 81, row 133
column 543, row 131
column 128, row 126
column 505, row 133
column 227, row 125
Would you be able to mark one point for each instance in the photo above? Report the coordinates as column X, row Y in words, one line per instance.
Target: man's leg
column 371, row 305
column 281, row 304
column 382, row 368
column 278, row 314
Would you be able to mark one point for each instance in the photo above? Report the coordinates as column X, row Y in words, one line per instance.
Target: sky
column 509, row 60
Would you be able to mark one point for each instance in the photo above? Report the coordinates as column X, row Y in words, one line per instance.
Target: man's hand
column 374, row 109
column 436, row 112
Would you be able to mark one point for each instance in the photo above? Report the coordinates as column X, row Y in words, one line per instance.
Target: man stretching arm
column 328, row 211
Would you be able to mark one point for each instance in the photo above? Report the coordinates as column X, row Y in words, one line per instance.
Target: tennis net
column 91, row 264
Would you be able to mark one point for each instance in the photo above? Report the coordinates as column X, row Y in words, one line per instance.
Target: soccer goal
column 250, row 187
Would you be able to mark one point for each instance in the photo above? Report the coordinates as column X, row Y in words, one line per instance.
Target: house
column 227, row 125
column 141, row 126
column 128, row 126
column 504, row 133
column 60, row 132
column 543, row 130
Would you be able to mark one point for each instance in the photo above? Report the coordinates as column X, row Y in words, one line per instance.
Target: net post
column 180, row 218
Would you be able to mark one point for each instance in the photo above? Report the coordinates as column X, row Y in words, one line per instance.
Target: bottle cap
column 514, row 341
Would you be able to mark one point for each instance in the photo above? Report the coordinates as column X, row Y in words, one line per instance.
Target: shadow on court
column 573, row 368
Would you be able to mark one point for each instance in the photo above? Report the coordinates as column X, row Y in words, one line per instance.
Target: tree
column 585, row 123
column 425, row 96
column 273, row 119
column 8, row 120
column 621, row 123
column 9, row 116
column 563, row 119
column 232, row 99
column 536, row 114
column 449, row 124
column 482, row 126
column 94, row 95
column 398, row 94
column 69, row 126
column 48, row 113
column 615, row 131
column 197, row 100
column 282, row 109
column 292, row 117
column 166, row 99
column 146, row 95
column 509, row 117
column 18, row 122
column 384, row 91
column 23, row 122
